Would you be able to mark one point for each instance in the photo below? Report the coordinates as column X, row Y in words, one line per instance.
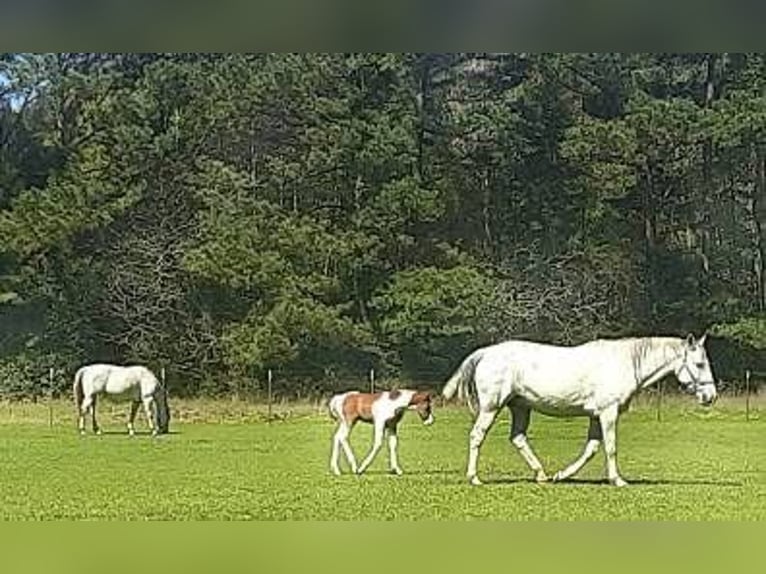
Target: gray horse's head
column 161, row 411
column 694, row 371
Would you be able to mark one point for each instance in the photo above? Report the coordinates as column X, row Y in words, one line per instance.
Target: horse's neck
column 656, row 358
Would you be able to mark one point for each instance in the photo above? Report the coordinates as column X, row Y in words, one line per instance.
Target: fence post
column 269, row 378
column 747, row 395
column 372, row 380
column 50, row 398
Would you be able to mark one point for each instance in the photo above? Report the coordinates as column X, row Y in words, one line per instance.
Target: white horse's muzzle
column 706, row 394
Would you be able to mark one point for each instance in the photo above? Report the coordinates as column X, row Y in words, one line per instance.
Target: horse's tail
column 462, row 381
column 78, row 393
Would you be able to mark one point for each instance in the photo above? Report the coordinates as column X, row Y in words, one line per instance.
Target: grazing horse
column 596, row 380
column 384, row 411
column 135, row 383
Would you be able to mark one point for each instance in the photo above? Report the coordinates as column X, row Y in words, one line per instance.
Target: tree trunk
column 759, row 212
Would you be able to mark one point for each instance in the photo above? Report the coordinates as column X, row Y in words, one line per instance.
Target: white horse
column 135, row 383
column 596, row 380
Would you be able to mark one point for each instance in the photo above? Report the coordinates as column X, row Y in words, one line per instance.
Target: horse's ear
column 690, row 340
column 702, row 339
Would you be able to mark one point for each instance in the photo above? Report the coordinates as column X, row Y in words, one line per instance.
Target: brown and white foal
column 384, row 411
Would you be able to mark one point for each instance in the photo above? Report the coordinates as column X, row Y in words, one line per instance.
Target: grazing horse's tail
column 77, row 391
column 462, row 381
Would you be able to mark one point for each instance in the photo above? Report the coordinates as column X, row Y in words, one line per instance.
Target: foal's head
column 421, row 402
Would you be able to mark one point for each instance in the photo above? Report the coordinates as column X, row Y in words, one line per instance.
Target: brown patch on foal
column 358, row 406
column 393, row 395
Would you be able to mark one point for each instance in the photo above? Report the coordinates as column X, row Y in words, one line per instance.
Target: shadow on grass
column 652, row 482
column 141, row 433
column 605, row 482
column 431, row 472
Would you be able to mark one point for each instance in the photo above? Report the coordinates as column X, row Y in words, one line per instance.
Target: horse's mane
column 642, row 348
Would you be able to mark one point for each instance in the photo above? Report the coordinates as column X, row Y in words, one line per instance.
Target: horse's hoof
column 618, row 481
column 397, row 471
column 541, row 477
column 474, row 480
column 335, row 471
column 557, row 477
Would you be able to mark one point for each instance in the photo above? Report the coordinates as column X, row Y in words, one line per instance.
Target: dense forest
column 324, row 214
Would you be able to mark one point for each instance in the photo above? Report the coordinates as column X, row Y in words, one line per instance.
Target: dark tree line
column 322, row 214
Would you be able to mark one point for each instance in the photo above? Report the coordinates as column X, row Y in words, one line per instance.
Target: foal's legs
column 340, row 440
column 591, row 446
column 479, row 431
column 609, row 429
column 393, row 443
column 376, row 444
column 519, row 424
column 133, row 410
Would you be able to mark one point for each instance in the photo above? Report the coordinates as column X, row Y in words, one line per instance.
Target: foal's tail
column 334, row 406
column 462, row 381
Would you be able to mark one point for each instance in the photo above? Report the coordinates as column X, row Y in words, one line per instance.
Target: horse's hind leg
column 479, row 431
column 519, row 425
column 133, row 410
column 591, row 447
column 85, row 406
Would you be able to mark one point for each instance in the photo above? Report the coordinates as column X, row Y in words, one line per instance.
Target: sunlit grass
column 224, row 460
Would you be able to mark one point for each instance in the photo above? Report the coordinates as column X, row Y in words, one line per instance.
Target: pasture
column 222, row 460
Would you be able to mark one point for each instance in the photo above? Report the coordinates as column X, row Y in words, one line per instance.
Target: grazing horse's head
column 421, row 402
column 162, row 411
column 694, row 371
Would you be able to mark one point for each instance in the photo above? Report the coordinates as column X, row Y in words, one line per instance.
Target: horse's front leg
column 519, row 425
column 608, row 421
column 479, row 431
column 148, row 402
column 591, row 447
column 376, row 444
column 94, row 424
column 133, row 410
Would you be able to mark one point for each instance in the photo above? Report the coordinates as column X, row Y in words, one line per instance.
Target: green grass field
column 223, row 461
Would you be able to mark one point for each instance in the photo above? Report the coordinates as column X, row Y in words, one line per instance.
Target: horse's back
column 550, row 378
column 118, row 379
